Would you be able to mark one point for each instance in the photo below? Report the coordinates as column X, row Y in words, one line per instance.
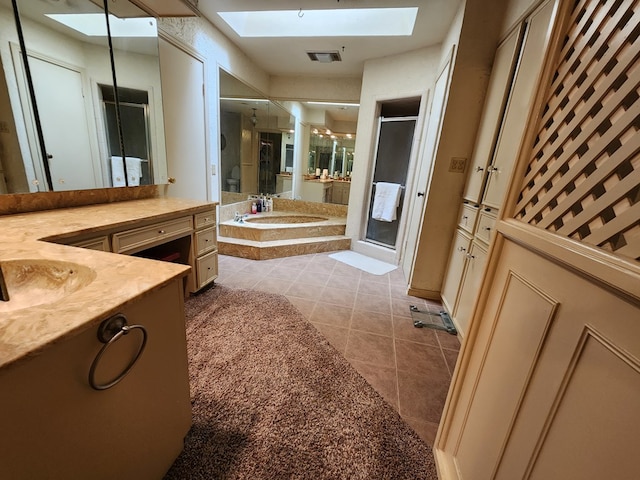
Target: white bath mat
column 367, row 264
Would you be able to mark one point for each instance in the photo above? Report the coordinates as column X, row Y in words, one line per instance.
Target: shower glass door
column 395, row 138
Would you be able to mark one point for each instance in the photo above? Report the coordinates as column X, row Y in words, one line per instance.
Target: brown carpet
column 272, row 399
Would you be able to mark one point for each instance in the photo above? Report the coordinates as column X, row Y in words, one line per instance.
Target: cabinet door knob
column 462, row 249
column 161, row 231
column 171, row 180
column 469, row 256
column 421, row 194
column 479, row 169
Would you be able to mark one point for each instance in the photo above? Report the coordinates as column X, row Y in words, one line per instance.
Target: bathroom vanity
column 80, row 401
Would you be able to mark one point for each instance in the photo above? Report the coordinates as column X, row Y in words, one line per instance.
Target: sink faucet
column 4, row 292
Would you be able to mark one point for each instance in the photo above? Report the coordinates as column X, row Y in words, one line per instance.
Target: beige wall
column 409, row 75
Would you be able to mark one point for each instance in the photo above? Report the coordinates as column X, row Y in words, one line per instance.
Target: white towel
column 134, row 171
column 386, row 201
column 117, row 172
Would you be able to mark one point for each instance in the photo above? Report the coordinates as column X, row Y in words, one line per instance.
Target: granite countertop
column 119, row 279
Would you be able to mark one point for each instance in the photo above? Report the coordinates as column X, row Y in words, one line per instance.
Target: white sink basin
column 32, row 282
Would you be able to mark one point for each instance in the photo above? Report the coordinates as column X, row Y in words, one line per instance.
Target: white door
column 65, row 127
column 430, row 143
column 184, row 122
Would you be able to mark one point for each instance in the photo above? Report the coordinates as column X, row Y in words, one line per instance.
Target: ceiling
column 288, row 56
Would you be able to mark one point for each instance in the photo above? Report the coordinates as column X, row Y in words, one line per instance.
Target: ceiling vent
column 325, row 57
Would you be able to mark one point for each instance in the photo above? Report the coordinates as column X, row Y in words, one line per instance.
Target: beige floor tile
column 448, row 341
column 337, row 296
column 403, row 329
column 422, row 396
column 281, row 271
column 273, row 285
column 383, row 379
column 372, row 322
column 419, row 358
column 451, row 357
column 301, row 290
column 369, row 277
column 337, row 336
column 305, row 305
column 341, row 282
column 346, row 270
column 331, row 315
column 370, row 348
column 371, row 288
column 316, row 279
column 373, row 303
column 426, row 430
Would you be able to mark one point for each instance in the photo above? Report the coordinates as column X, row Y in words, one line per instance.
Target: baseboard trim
column 426, row 294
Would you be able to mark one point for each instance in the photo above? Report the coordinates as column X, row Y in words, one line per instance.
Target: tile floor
column 366, row 317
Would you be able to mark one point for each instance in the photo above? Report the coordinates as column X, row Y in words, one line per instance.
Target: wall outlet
column 458, row 164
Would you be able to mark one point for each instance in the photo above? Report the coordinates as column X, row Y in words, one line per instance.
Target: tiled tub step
column 264, row 250
column 266, row 232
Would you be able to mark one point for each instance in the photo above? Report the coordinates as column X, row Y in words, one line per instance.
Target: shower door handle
column 421, row 194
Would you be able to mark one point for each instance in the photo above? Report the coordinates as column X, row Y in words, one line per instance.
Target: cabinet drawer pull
column 161, row 231
column 487, row 228
column 108, row 333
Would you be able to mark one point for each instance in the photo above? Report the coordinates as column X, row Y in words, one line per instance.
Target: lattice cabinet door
column 583, row 175
column 514, row 122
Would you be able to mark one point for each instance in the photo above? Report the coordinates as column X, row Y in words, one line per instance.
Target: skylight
column 355, row 22
column 93, row 25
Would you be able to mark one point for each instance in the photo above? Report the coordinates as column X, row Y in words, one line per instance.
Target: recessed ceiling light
column 351, row 22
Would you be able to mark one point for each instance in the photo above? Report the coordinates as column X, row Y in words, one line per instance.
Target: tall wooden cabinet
column 516, row 68
column 547, row 384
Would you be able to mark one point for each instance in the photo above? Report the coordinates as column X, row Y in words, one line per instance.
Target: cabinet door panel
column 520, row 98
column 476, row 261
column 451, row 284
column 495, row 100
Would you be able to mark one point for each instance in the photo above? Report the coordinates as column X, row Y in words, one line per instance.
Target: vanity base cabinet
column 55, row 425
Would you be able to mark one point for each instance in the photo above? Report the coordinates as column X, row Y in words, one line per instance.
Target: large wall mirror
column 256, row 143
column 257, row 147
column 86, row 126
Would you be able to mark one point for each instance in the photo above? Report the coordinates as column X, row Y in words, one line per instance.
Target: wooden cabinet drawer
column 486, row 223
column 205, row 241
column 207, row 269
column 100, row 243
column 132, row 241
column 468, row 215
column 205, row 219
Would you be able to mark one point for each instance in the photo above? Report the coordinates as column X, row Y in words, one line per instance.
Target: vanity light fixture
column 254, row 119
